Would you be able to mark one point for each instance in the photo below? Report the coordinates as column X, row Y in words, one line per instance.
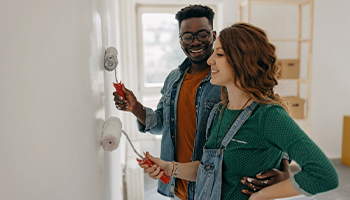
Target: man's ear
column 214, row 36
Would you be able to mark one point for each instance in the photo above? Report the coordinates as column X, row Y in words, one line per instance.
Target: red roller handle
column 165, row 179
column 118, row 88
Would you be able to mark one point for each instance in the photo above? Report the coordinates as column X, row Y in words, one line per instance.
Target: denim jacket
column 163, row 120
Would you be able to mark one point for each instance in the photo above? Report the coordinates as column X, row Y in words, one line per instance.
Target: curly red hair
column 253, row 60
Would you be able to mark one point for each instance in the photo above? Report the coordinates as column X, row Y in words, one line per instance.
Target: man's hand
column 267, row 178
column 126, row 104
column 130, row 104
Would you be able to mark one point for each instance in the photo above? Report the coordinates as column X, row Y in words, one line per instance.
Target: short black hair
column 195, row 11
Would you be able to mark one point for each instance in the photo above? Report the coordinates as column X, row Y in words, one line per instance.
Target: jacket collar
column 185, row 66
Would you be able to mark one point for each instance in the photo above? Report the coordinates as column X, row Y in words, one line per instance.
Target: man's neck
column 196, row 68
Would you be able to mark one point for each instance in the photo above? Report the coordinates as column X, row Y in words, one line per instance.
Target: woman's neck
column 237, row 98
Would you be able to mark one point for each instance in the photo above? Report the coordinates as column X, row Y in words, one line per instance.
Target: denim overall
column 209, row 175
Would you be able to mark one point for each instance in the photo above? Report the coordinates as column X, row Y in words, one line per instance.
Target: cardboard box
column 345, row 156
column 290, row 68
column 296, row 106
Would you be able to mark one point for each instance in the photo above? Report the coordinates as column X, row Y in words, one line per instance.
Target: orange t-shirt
column 186, row 125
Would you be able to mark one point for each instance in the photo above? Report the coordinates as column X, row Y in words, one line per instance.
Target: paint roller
column 111, row 63
column 111, row 134
column 112, row 128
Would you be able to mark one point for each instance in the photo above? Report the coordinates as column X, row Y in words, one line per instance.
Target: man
column 187, row 99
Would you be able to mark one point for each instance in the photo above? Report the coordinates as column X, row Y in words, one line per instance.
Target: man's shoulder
column 175, row 73
column 172, row 76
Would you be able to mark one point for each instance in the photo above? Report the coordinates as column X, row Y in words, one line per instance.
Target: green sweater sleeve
column 317, row 172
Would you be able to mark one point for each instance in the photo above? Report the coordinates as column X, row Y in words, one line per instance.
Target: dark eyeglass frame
column 196, row 34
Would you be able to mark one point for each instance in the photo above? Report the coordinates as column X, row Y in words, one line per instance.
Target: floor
column 341, row 193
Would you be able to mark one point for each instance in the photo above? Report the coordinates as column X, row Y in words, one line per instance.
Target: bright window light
column 161, row 49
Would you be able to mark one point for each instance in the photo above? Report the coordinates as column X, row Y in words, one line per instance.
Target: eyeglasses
column 202, row 36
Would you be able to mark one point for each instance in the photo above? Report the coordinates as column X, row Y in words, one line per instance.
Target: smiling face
column 221, row 70
column 197, row 51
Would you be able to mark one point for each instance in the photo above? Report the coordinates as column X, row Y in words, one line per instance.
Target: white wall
column 331, row 82
column 54, row 100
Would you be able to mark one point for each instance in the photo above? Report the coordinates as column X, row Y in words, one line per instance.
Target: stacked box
column 296, row 106
column 290, row 68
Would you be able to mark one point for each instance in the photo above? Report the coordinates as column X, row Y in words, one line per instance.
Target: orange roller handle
column 118, row 88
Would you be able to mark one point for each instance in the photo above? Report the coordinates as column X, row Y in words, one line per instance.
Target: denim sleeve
column 153, row 122
column 154, row 118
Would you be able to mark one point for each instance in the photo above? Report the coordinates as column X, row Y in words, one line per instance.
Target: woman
column 250, row 122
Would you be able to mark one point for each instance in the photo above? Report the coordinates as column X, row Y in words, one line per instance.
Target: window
column 161, row 50
column 158, row 48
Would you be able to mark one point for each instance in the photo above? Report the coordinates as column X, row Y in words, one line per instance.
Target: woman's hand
column 158, row 168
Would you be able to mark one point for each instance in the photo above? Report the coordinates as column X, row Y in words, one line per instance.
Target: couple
column 211, row 143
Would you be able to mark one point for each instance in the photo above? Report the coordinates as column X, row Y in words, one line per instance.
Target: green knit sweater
column 258, row 146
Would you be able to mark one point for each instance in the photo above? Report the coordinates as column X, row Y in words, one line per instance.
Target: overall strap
column 237, row 124
column 210, row 119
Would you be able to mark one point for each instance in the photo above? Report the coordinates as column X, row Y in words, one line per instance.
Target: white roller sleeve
column 111, row 133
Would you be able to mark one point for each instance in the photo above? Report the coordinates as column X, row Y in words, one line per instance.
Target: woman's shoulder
column 272, row 109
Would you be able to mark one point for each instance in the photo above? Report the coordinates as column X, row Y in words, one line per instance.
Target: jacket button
column 172, row 119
